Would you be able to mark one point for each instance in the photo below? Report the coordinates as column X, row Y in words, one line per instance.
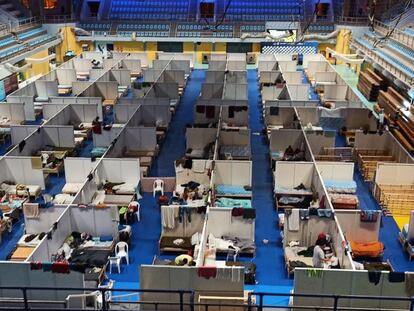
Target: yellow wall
column 151, row 48
column 220, row 47
column 203, row 47
column 69, row 43
column 188, row 46
column 256, row 47
column 129, row 46
column 38, row 69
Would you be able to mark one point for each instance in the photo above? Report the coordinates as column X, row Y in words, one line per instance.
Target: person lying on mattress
column 184, row 260
column 320, row 259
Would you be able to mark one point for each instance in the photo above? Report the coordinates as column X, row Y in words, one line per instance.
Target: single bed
column 294, row 260
column 166, row 244
column 236, row 152
column 224, row 244
column 63, row 198
column 21, row 253
column 373, row 249
column 113, row 199
column 122, row 188
column 98, row 152
column 30, row 240
column 21, row 190
column 338, row 186
column 230, row 203
column 235, row 191
column 72, row 188
column 91, row 257
column 195, row 153
column 344, row 201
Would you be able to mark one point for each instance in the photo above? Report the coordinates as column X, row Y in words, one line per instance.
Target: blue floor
column 5, row 147
column 174, row 145
column 312, row 93
column 144, row 242
column 269, row 257
column 86, row 149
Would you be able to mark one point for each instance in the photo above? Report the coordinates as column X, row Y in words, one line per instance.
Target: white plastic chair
column 121, row 251
column 158, row 186
column 137, row 213
column 114, row 261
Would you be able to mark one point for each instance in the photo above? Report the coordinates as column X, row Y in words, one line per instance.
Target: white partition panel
column 45, row 220
column 338, row 171
column 26, row 174
column 66, row 76
column 394, row 174
column 96, row 221
column 20, row 275
column 356, row 230
column 352, row 283
column 13, row 112
column 106, row 138
column 222, row 223
column 237, row 173
column 77, row 169
column 199, row 138
column 29, row 113
column 20, row 132
column 120, row 170
column 291, row 174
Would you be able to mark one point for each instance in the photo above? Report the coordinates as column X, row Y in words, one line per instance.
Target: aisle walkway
column 173, row 147
column 146, row 233
column 269, row 257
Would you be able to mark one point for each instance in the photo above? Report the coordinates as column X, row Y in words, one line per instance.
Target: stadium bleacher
column 149, row 10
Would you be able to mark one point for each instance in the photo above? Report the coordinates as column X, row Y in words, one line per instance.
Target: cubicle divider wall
column 280, row 117
column 382, row 142
column 44, row 221
column 12, row 112
column 20, row 170
column 20, row 275
column 351, row 283
column 319, row 140
column 217, row 65
column 212, row 91
column 46, row 136
column 214, row 76
column 234, row 91
column 298, row 91
column 292, row 77
column 236, row 77
column 270, row 77
column 200, row 141
column 21, row 132
column 27, row 101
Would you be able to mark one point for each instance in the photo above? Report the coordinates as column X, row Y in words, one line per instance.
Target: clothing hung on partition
column 184, row 210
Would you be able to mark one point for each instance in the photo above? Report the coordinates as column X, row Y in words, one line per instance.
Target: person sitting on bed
column 183, row 260
column 318, row 259
column 97, row 126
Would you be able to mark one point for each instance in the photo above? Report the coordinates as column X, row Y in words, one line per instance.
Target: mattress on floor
column 340, row 186
column 236, row 151
column 228, row 202
column 232, row 190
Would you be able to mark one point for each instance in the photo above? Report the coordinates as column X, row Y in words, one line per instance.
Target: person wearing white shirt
column 318, row 259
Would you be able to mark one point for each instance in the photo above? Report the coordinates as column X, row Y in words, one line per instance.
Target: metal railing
column 398, row 34
column 349, row 20
column 185, row 300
